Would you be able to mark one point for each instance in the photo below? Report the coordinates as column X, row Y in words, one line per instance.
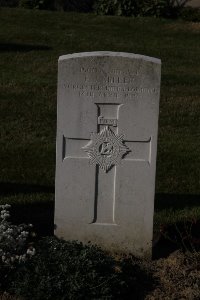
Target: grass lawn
column 31, row 42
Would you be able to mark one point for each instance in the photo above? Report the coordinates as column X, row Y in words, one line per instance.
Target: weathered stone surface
column 108, row 106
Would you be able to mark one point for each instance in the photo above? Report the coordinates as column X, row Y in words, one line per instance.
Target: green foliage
column 118, row 7
column 172, row 8
column 74, row 5
column 158, row 8
column 190, row 14
column 27, row 3
column 37, row 4
column 70, row 270
column 9, row 3
column 65, row 5
column 14, row 244
column 65, row 270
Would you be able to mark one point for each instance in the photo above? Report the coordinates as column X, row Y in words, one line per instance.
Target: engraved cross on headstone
column 106, row 149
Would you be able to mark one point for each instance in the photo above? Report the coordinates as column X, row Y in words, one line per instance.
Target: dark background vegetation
column 136, row 8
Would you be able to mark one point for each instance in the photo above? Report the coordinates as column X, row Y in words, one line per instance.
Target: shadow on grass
column 12, row 47
column 138, row 281
column 176, row 201
column 7, row 188
column 57, row 264
column 40, row 214
column 183, row 235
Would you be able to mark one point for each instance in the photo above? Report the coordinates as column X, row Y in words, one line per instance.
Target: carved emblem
column 106, row 149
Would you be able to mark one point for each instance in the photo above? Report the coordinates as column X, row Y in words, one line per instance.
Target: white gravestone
column 108, row 107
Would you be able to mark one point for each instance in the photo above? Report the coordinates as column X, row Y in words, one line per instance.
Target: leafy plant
column 74, row 5
column 158, row 8
column 9, row 3
column 118, row 7
column 27, row 3
column 37, row 4
column 66, row 5
column 14, row 246
column 172, row 8
column 70, row 270
column 65, row 270
column 190, row 14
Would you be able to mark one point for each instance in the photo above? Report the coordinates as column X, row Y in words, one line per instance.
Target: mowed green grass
column 31, row 42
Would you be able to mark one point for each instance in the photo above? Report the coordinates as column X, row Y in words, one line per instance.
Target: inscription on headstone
column 108, row 105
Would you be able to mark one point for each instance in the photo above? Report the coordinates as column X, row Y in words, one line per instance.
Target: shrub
column 37, row 4
column 66, row 5
column 14, row 246
column 190, row 14
column 74, row 5
column 118, row 7
column 158, row 8
column 70, row 270
column 172, row 8
column 65, row 270
column 9, row 3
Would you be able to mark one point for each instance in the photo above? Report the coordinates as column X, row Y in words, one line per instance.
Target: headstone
column 108, row 106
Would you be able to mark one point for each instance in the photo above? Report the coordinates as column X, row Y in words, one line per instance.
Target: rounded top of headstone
column 110, row 54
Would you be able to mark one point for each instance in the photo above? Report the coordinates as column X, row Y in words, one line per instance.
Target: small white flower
column 13, row 237
column 7, row 261
column 23, row 235
column 31, row 251
column 22, row 258
column 12, row 259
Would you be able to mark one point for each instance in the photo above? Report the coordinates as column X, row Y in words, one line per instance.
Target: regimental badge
column 106, row 149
